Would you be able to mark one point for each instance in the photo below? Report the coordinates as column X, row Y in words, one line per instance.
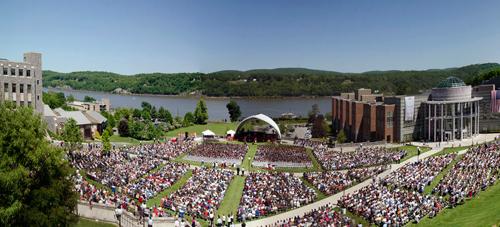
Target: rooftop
column 451, row 82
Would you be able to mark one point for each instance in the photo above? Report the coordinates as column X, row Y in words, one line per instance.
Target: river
column 217, row 111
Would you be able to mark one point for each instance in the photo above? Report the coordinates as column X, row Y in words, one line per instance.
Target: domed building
column 451, row 113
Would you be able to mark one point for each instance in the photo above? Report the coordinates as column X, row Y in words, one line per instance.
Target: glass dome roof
column 451, row 82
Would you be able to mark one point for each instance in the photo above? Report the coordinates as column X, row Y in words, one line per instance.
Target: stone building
column 21, row 82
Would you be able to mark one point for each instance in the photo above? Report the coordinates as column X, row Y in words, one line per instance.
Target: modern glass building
column 451, row 112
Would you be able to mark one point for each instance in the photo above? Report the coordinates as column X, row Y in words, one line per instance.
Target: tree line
column 258, row 83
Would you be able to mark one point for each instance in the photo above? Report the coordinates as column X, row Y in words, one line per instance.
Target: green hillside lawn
column 119, row 139
column 411, row 151
column 231, row 201
column 219, row 128
column 483, row 210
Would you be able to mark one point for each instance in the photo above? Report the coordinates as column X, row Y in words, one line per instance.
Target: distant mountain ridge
column 264, row 82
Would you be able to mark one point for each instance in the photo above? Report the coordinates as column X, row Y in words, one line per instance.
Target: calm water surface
column 217, row 110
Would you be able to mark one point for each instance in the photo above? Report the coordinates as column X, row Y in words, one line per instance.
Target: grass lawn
column 450, row 150
column 176, row 186
column 119, row 139
column 219, row 128
column 320, row 194
column 411, row 151
column 435, row 181
column 84, row 222
column 231, row 201
column 247, row 161
column 483, row 210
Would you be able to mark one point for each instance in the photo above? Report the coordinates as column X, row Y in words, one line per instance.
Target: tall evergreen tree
column 234, row 110
column 123, row 127
column 319, row 128
column 35, row 183
column 201, row 113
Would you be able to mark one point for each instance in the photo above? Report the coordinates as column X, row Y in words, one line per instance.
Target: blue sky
column 188, row 36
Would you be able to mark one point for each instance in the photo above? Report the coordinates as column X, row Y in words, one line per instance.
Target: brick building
column 450, row 111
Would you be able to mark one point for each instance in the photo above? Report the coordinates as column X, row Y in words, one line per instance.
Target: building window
column 29, row 103
column 389, row 119
column 21, row 103
column 13, row 88
column 29, row 88
column 6, row 87
column 21, row 88
column 21, row 72
column 5, row 71
column 37, row 82
column 37, row 97
column 12, row 71
column 28, row 73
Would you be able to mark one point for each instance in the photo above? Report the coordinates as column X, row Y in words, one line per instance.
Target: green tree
column 54, row 99
column 111, row 119
column 71, row 134
column 165, row 115
column 154, row 113
column 201, row 113
column 146, row 106
column 146, row 115
column 35, row 183
column 121, row 113
column 188, row 119
column 341, row 137
column 320, row 127
column 234, row 110
column 70, row 98
column 123, row 128
column 136, row 113
column 89, row 99
column 106, row 144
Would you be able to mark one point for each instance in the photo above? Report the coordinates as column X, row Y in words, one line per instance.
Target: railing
column 107, row 213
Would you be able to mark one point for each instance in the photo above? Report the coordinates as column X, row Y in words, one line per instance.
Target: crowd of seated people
column 321, row 216
column 398, row 198
column 475, row 171
column 150, row 185
column 114, row 169
column 268, row 193
column 391, row 206
column 417, row 175
column 127, row 174
column 167, row 150
column 364, row 157
column 202, row 193
column 281, row 153
column 331, row 182
column 220, row 150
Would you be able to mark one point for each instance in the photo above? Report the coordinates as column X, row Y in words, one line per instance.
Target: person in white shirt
column 150, row 221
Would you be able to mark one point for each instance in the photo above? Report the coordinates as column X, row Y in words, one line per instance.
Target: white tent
column 208, row 134
column 230, row 133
